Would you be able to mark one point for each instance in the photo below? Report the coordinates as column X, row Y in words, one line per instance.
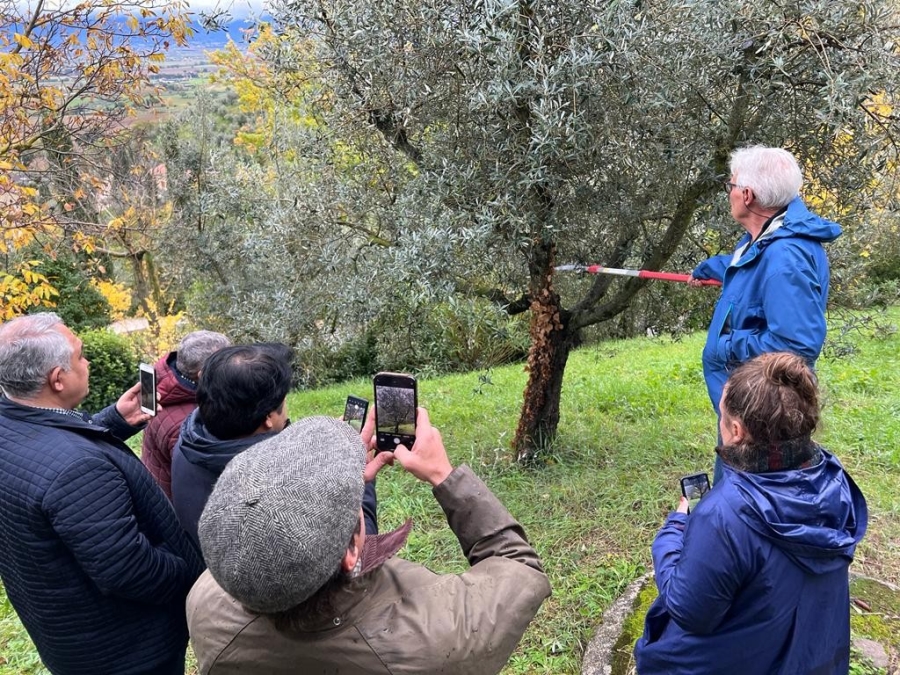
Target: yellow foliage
column 23, row 41
column 82, row 50
column 22, row 292
column 166, row 331
column 879, row 105
column 263, row 91
column 117, row 295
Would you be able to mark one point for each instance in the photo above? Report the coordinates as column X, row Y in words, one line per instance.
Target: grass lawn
column 635, row 418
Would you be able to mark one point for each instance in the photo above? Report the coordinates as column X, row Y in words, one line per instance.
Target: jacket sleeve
column 110, row 418
column 794, row 309
column 486, row 609
column 90, row 507
column 712, row 268
column 698, row 570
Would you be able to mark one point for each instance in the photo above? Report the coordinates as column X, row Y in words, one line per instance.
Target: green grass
column 635, row 417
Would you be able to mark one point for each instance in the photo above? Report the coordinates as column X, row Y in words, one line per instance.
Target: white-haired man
column 91, row 554
column 775, row 283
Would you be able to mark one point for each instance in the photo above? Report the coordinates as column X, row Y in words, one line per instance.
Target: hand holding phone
column 396, row 400
column 148, row 388
column 693, row 487
column 355, row 412
column 427, row 459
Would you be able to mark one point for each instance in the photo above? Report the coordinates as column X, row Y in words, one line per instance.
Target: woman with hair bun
column 754, row 581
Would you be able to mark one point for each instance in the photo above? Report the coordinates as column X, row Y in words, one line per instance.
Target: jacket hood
column 800, row 221
column 816, row 516
column 172, row 387
column 201, row 448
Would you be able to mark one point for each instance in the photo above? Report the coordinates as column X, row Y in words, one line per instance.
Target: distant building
column 129, row 325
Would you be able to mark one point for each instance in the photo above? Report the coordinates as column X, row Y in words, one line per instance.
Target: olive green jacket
column 401, row 618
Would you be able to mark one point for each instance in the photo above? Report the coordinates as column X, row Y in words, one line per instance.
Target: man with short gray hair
column 176, row 381
column 91, row 554
column 775, row 283
column 296, row 585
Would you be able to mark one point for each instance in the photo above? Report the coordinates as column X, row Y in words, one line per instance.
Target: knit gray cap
column 283, row 512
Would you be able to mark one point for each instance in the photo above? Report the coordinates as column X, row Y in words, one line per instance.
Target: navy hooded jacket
column 91, row 554
column 754, row 581
column 773, row 297
column 198, row 460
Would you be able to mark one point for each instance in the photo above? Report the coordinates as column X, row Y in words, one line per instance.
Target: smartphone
column 148, row 389
column 396, row 399
column 355, row 410
column 693, row 487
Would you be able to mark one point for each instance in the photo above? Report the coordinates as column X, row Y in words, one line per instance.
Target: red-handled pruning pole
column 643, row 274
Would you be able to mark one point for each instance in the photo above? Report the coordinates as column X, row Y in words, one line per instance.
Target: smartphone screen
column 148, row 389
column 395, row 410
column 355, row 412
column 693, row 487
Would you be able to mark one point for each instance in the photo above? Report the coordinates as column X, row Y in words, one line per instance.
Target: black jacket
column 91, row 553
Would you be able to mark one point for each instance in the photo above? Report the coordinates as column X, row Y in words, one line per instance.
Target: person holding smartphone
column 335, row 599
column 754, row 581
column 91, row 554
column 177, row 374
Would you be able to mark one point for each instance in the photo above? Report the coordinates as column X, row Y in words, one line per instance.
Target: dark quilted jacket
column 177, row 397
column 91, row 554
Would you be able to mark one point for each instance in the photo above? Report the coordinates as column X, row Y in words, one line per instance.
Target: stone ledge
column 600, row 653
column 598, row 657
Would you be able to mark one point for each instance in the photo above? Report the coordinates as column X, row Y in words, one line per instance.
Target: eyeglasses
column 729, row 186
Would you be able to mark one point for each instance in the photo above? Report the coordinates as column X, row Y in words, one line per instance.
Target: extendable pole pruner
column 643, row 274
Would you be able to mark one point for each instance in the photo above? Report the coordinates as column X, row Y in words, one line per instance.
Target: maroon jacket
column 178, row 398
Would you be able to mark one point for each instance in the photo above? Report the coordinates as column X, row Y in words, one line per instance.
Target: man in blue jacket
column 91, row 555
column 775, row 283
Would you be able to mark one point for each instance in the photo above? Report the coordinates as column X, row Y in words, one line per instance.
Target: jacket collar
column 201, row 448
column 348, row 604
column 46, row 417
column 379, row 547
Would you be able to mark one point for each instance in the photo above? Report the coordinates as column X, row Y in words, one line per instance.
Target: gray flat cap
column 283, row 512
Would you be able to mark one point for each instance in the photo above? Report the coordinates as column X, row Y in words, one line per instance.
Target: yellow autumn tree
column 273, row 79
column 71, row 76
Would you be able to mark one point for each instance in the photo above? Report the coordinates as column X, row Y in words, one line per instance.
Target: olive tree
column 495, row 139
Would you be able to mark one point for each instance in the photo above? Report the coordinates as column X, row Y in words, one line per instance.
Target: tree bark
column 551, row 341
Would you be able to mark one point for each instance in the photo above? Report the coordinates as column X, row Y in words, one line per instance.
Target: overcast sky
column 236, row 7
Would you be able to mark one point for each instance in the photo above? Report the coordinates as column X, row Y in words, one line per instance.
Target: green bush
column 320, row 359
column 114, row 368
column 446, row 337
column 453, row 336
column 79, row 304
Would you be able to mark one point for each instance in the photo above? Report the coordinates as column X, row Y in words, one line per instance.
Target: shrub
column 444, row 337
column 114, row 368
column 80, row 304
column 452, row 336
